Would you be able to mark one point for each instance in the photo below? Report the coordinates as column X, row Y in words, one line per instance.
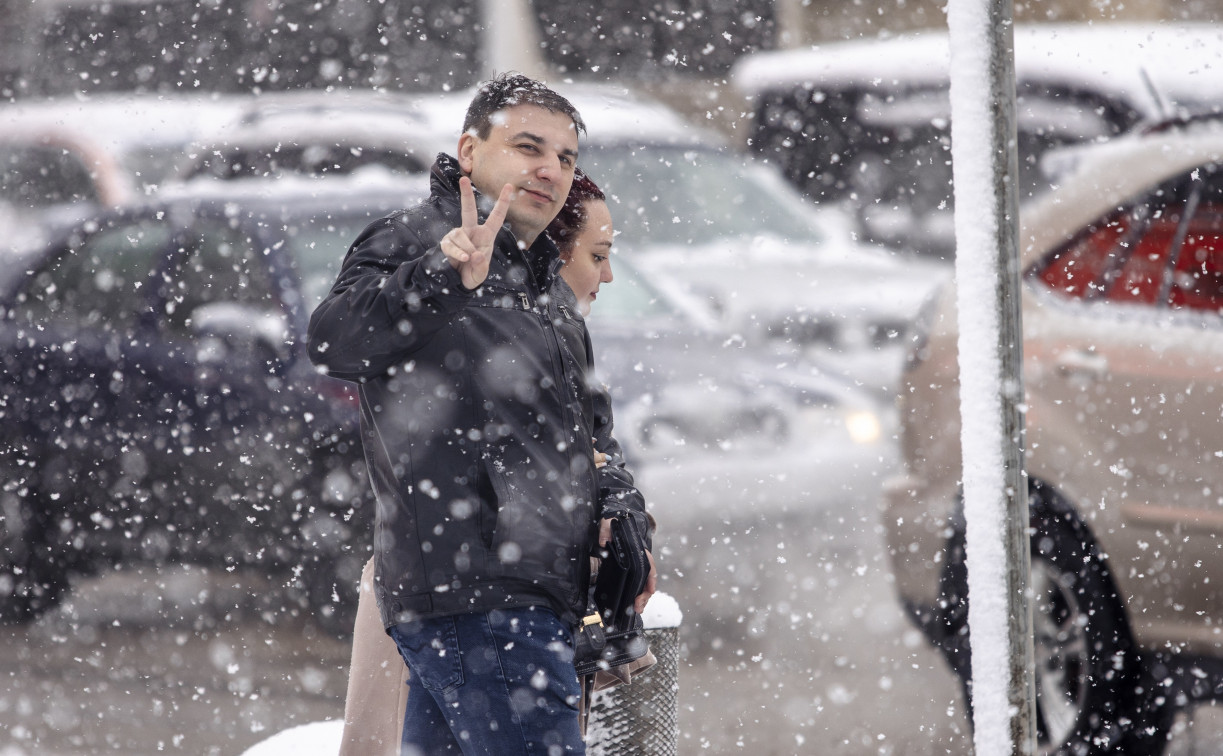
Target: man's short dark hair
column 508, row 90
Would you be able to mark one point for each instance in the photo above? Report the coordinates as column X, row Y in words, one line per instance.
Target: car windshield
column 317, row 237
column 664, row 194
column 630, row 299
column 152, row 164
column 318, row 244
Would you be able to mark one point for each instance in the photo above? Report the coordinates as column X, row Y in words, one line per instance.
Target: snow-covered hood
column 760, row 279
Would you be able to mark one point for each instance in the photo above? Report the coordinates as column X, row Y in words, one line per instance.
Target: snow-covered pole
column 985, row 168
column 511, row 39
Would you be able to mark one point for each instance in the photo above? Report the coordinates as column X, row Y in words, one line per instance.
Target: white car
column 1122, row 295
column 312, row 133
column 692, row 211
column 866, row 122
column 61, row 160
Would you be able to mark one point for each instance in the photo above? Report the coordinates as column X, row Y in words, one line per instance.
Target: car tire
column 1090, row 679
column 32, row 578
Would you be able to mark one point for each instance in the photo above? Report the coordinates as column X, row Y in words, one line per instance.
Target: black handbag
column 612, row 633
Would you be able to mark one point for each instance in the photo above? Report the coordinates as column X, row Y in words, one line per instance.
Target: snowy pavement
column 793, row 641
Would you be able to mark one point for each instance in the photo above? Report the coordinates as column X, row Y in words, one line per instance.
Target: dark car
column 866, row 123
column 156, row 404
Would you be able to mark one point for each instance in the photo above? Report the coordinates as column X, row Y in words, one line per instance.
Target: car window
column 151, row 164
column 35, row 176
column 1121, row 259
column 221, row 265
column 317, row 244
column 305, row 159
column 663, row 194
column 1164, row 250
column 1197, row 279
column 99, row 280
column 629, row 299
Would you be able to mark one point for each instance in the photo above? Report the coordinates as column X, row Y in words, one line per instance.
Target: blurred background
column 183, row 526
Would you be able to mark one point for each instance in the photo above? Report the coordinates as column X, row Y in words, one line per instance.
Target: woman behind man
column 378, row 678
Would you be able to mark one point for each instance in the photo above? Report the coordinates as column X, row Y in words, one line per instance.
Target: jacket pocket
column 509, row 527
column 535, row 505
column 431, row 650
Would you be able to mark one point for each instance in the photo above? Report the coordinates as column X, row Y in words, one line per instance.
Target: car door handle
column 1083, row 364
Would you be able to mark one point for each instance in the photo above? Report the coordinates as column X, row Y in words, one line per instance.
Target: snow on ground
column 314, row 739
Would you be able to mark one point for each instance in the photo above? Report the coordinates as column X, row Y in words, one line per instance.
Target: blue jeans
column 499, row 683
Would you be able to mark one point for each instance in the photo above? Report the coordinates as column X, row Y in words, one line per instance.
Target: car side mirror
column 226, row 332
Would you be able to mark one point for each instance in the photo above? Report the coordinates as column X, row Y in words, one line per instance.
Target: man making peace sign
column 477, row 427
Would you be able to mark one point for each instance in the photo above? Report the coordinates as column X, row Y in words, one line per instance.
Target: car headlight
column 863, row 426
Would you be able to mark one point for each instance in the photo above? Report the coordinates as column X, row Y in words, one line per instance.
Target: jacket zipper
column 557, row 347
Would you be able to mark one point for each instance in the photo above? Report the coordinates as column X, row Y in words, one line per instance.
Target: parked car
column 1122, row 296
column 156, row 404
column 867, row 122
column 64, row 160
column 687, row 392
column 312, row 133
column 693, row 210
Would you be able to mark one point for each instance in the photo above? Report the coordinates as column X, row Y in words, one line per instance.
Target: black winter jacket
column 476, row 417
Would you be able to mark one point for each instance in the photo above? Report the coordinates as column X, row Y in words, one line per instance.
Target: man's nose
column 549, row 169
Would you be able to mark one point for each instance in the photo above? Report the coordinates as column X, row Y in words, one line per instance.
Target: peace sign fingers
column 470, row 246
column 467, row 201
column 497, row 216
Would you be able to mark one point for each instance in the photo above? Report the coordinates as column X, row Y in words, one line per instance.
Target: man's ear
column 467, row 146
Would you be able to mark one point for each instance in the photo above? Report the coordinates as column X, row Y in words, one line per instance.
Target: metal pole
column 991, row 373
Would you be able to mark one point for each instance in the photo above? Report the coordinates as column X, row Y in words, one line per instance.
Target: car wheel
column 1089, row 676
column 32, row 580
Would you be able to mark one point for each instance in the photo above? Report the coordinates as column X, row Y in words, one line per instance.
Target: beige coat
column 377, row 682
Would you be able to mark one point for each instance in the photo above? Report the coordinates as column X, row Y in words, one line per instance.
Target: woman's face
column 589, row 261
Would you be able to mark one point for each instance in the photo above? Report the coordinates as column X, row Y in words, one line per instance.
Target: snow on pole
column 984, row 169
column 511, row 40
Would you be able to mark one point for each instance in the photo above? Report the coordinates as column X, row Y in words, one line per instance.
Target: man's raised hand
column 469, row 248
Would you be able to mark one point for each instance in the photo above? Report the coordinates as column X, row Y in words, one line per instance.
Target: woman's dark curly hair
column 570, row 221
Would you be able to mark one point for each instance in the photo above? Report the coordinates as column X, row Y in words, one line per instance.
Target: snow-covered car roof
column 130, row 141
column 1127, row 61
column 314, row 132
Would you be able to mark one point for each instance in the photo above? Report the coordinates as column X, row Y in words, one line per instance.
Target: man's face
column 532, row 149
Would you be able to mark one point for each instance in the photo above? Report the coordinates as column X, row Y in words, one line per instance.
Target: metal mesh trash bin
column 642, row 718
